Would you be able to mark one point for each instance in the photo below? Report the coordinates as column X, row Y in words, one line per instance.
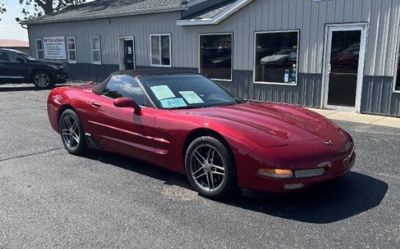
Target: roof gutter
column 103, row 16
column 218, row 18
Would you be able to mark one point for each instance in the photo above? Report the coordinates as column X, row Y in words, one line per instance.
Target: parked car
column 188, row 124
column 16, row 66
column 283, row 57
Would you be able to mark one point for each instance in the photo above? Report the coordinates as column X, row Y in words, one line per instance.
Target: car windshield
column 185, row 92
column 25, row 56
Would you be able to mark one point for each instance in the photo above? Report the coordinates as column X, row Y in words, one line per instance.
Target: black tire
column 41, row 79
column 211, row 185
column 72, row 143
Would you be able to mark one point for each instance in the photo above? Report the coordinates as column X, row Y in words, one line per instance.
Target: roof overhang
column 102, row 16
column 238, row 5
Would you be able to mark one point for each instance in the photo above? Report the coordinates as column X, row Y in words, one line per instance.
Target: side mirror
column 127, row 102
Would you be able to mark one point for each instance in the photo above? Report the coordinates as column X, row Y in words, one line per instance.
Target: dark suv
column 16, row 66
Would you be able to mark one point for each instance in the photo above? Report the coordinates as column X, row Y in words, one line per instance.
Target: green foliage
column 37, row 8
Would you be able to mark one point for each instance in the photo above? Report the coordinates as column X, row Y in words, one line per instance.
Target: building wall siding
column 307, row 92
column 378, row 97
column 308, row 16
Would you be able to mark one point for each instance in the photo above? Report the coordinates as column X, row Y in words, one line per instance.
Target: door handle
column 96, row 104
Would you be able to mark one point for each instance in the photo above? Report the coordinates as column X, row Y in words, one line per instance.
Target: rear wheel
column 209, row 168
column 72, row 134
column 41, row 79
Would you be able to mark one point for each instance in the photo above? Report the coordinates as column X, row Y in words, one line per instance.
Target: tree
column 2, row 8
column 35, row 8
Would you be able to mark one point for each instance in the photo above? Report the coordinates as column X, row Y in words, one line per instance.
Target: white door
column 344, row 66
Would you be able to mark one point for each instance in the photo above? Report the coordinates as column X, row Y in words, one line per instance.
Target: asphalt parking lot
column 50, row 199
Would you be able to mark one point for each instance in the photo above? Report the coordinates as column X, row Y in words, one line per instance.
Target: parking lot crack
column 29, row 155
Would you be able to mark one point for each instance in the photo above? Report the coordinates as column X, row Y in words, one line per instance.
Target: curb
column 359, row 118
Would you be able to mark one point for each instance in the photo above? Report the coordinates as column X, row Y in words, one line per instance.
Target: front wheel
column 72, row 134
column 209, row 168
column 41, row 80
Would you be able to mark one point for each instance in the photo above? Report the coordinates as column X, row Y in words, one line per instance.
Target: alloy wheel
column 207, row 168
column 41, row 80
column 70, row 132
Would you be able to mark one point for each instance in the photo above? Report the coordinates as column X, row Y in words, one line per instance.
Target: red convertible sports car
column 186, row 123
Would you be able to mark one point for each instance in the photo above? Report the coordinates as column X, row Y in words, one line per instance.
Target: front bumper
column 59, row 76
column 335, row 167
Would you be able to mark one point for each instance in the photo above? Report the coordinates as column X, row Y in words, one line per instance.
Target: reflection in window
column 96, row 49
column 276, row 57
column 71, row 47
column 216, row 56
column 160, row 50
column 39, row 49
column 124, row 86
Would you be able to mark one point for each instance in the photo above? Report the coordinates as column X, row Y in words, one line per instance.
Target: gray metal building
column 340, row 54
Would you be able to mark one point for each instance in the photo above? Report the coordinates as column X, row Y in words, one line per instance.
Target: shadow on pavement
column 333, row 201
column 19, row 88
column 329, row 202
column 5, row 87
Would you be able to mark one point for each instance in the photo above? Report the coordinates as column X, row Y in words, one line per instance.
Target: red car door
column 120, row 129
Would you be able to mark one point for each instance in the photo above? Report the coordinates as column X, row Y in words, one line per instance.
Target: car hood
column 274, row 124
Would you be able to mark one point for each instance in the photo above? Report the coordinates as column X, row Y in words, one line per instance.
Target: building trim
column 74, row 50
column 397, row 59
column 328, row 29
column 160, row 47
column 91, row 50
column 216, row 19
column 37, row 49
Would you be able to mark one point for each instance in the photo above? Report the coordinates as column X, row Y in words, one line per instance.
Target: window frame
column 72, row 50
column 232, row 53
column 160, row 47
column 255, row 57
column 37, row 49
column 397, row 62
column 93, row 50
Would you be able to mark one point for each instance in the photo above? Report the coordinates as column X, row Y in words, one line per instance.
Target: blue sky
column 9, row 28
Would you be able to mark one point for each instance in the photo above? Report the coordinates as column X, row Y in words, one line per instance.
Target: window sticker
column 191, row 97
column 173, row 103
column 162, row 92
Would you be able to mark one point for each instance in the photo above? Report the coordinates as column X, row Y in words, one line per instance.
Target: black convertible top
column 155, row 71
column 99, row 88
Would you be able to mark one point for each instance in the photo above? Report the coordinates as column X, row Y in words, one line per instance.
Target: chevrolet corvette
column 188, row 124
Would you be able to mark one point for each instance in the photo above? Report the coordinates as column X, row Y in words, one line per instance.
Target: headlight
column 289, row 174
column 276, row 173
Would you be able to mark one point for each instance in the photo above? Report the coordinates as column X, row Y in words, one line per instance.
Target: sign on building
column 54, row 48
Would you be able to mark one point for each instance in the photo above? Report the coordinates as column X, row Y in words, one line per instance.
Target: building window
column 95, row 45
column 276, row 57
column 39, row 49
column 71, row 47
column 160, row 50
column 216, row 56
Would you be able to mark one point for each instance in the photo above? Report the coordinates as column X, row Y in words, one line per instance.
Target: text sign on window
column 54, row 48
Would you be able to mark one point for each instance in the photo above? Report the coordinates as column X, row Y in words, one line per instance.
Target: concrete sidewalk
column 359, row 118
